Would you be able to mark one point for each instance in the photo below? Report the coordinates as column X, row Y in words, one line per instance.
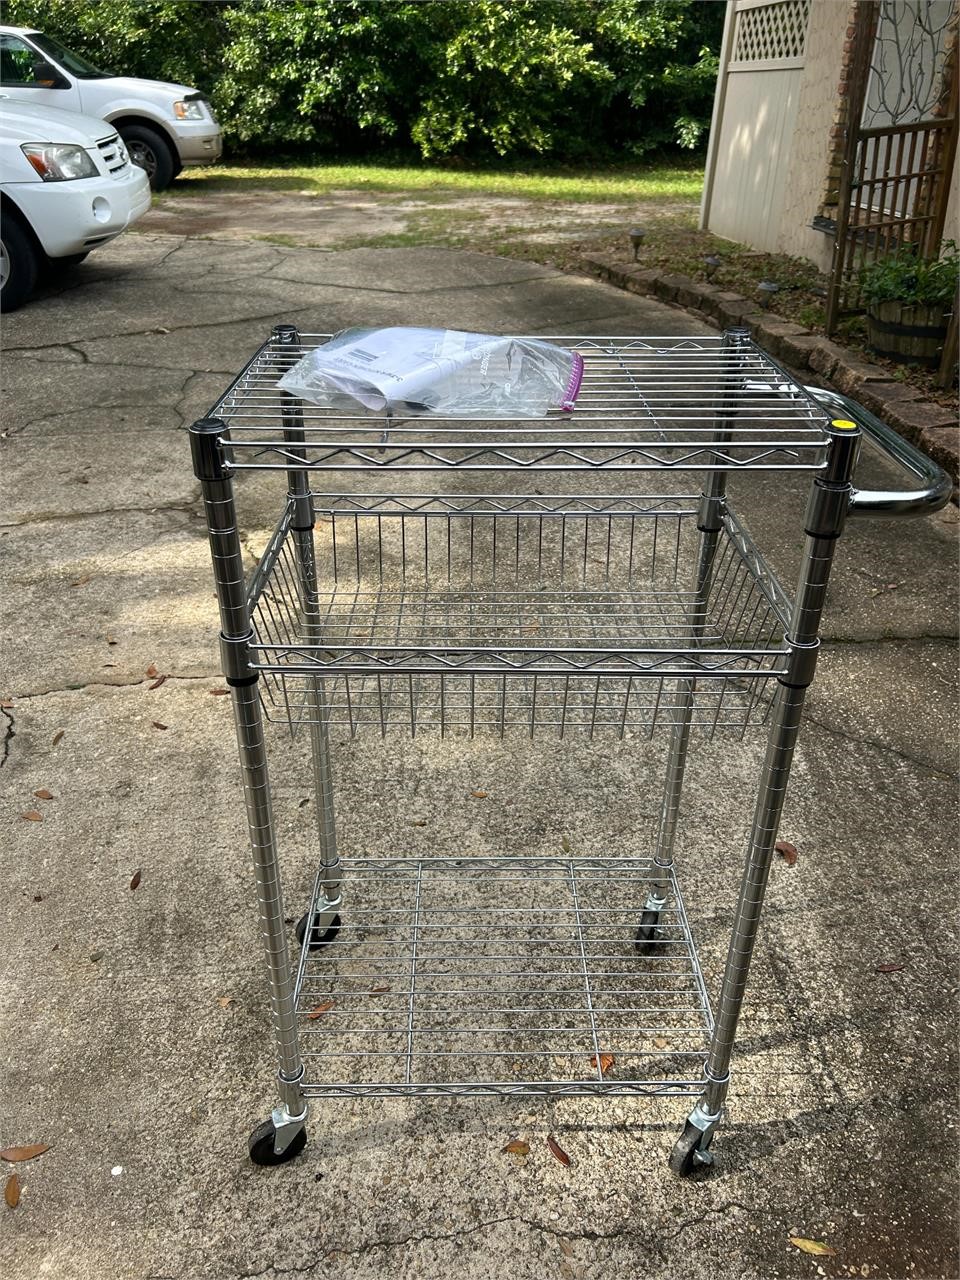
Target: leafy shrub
column 905, row 277
column 566, row 79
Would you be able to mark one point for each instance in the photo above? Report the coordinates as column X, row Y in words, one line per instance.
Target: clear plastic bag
column 437, row 371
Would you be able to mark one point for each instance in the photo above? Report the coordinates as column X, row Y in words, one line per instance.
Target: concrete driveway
column 135, row 1036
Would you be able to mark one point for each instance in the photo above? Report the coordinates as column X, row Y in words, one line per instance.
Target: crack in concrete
column 187, row 507
column 9, row 734
column 884, row 747
column 707, row 1213
column 110, row 684
column 275, row 315
column 402, row 1241
column 16, row 433
column 920, row 637
column 369, row 1246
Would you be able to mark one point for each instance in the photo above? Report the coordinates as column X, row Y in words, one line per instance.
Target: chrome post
column 327, row 896
column 710, row 523
column 206, row 440
column 827, row 508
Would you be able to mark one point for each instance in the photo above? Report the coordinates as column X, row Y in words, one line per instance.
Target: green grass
column 666, row 182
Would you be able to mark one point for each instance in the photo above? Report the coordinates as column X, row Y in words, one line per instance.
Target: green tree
column 566, row 79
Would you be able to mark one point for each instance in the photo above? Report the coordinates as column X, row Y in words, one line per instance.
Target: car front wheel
column 19, row 265
column 150, row 150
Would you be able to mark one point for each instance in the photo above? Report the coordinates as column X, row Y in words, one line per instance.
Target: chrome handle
column 936, row 485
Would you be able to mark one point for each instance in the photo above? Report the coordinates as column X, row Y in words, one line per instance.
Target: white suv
column 164, row 126
column 66, row 186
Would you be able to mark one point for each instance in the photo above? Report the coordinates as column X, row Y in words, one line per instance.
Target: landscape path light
column 765, row 292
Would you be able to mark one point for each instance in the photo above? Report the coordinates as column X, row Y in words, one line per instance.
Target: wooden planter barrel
column 907, row 332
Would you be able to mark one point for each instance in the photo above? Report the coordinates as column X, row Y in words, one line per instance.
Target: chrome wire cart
column 501, row 603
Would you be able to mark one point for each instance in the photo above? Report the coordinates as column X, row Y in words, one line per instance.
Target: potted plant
column 908, row 301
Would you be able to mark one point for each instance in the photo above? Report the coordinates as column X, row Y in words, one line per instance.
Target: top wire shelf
column 687, row 404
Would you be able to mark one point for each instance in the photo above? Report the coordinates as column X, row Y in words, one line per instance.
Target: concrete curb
column 928, row 425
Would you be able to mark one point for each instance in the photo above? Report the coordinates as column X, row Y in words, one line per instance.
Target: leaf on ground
column 157, row 683
column 31, row 815
column 787, row 851
column 6, row 704
column 418, row 822
column 11, row 1192
column 152, row 671
column 44, row 794
column 516, row 1147
column 889, row 968
column 56, row 737
column 660, row 1043
column 380, row 991
column 219, row 693
column 321, row 1009
column 135, row 878
column 565, row 844
column 15, row 1155
column 557, row 1150
column 604, row 1062
column 81, row 582
column 567, row 1249
column 157, row 724
column 479, row 795
column 224, row 1001
column 816, row 1247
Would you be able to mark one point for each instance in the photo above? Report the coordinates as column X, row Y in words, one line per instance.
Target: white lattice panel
column 771, row 32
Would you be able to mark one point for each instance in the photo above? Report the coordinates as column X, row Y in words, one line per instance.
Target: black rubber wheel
column 19, row 265
column 683, row 1160
column 261, row 1143
column 317, row 940
column 71, row 260
column 151, row 151
column 53, row 268
column 648, row 934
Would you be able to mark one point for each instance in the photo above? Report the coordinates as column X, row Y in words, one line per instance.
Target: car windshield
column 76, row 65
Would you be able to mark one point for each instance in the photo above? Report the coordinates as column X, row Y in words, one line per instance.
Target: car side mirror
column 46, row 76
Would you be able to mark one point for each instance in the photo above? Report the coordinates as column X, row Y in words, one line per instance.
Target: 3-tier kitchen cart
column 517, row 600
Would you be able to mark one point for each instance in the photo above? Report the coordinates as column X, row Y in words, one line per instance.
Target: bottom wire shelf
column 502, row 976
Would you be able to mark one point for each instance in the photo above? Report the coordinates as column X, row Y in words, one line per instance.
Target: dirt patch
column 347, row 218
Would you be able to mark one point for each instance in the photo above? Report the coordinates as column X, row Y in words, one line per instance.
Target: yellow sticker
column 843, row 424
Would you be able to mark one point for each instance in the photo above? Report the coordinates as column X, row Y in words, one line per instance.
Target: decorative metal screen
column 906, row 81
column 771, row 32
column 898, row 160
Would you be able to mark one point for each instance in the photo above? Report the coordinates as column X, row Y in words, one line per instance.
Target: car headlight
column 188, row 110
column 59, row 161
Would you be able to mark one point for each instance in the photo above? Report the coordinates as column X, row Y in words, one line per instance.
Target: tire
column 690, row 1155
column 648, row 934
column 71, row 260
column 261, row 1142
column 317, row 940
column 51, row 268
column 151, row 151
column 19, row 264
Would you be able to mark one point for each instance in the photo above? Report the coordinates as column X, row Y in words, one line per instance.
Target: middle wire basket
column 475, row 614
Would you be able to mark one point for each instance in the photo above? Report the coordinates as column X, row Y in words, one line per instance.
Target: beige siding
column 752, row 155
column 806, row 171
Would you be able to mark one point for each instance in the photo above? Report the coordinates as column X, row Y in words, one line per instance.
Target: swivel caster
column 317, row 939
column 648, row 935
column 263, row 1144
column 691, row 1151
